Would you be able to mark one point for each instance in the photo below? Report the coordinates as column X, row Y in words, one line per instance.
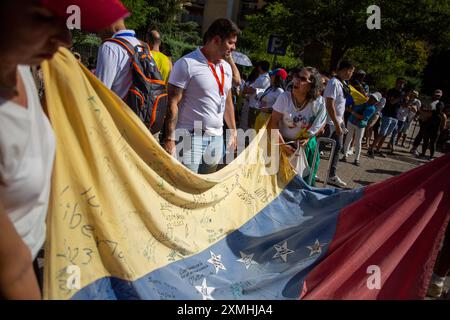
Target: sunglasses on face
column 302, row 79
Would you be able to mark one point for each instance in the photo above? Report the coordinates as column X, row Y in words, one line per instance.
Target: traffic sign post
column 277, row 46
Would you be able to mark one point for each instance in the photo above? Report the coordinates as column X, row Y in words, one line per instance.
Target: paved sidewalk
column 372, row 170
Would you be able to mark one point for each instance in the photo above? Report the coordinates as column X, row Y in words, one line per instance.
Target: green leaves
column 410, row 31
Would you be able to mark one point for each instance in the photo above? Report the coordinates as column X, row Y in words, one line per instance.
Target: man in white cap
column 413, row 106
column 357, row 122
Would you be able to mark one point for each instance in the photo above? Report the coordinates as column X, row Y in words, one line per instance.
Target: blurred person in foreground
column 32, row 31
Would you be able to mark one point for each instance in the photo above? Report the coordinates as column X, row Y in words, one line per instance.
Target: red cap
column 282, row 73
column 94, row 14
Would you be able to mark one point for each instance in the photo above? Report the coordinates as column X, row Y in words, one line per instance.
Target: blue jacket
column 366, row 110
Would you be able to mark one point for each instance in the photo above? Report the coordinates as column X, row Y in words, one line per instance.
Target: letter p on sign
column 374, row 280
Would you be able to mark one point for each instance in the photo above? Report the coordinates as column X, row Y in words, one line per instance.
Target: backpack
column 147, row 96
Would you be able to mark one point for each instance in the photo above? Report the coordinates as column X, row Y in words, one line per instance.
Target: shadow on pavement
column 384, row 171
column 406, row 158
column 363, row 183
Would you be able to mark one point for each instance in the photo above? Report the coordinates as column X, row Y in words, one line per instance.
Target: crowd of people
column 247, row 102
column 203, row 87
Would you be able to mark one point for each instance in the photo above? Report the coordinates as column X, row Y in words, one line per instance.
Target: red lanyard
column 213, row 69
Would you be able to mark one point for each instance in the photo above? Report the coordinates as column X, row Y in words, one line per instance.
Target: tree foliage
column 410, row 31
column 177, row 36
column 140, row 11
column 254, row 42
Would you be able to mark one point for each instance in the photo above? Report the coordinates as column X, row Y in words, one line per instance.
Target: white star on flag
column 316, row 248
column 246, row 259
column 205, row 290
column 216, row 262
column 282, row 251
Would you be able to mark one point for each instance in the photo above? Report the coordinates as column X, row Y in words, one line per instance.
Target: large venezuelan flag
column 139, row 225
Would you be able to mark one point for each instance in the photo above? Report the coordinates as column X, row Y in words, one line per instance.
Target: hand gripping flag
column 127, row 221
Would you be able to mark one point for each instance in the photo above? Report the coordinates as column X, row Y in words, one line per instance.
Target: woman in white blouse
column 301, row 114
column 268, row 98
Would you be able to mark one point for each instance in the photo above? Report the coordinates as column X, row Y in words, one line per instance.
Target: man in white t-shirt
column 114, row 61
column 335, row 96
column 200, row 98
column 255, row 89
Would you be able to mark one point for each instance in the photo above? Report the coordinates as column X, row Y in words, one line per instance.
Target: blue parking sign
column 277, row 45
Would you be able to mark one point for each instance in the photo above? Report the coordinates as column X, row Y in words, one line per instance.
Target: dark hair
column 294, row 70
column 345, row 64
column 278, row 82
column 224, row 28
column 400, row 79
column 264, row 65
column 316, row 83
column 254, row 74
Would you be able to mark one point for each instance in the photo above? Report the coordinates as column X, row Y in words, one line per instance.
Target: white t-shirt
column 201, row 99
column 114, row 64
column 380, row 105
column 268, row 97
column 261, row 84
column 296, row 124
column 334, row 90
column 415, row 102
column 27, row 149
column 402, row 114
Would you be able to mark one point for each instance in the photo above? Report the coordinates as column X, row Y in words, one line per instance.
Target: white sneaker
column 336, row 181
column 350, row 152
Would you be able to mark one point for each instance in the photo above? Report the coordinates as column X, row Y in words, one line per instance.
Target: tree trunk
column 337, row 53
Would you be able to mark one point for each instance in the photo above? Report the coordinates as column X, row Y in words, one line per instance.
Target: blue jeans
column 388, row 124
column 398, row 129
column 200, row 153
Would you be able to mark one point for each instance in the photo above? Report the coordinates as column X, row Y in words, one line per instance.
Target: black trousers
column 429, row 141
column 419, row 136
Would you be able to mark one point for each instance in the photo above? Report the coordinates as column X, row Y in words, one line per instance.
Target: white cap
column 377, row 96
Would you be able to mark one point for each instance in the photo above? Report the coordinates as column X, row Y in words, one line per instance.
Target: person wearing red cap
column 31, row 32
column 95, row 15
